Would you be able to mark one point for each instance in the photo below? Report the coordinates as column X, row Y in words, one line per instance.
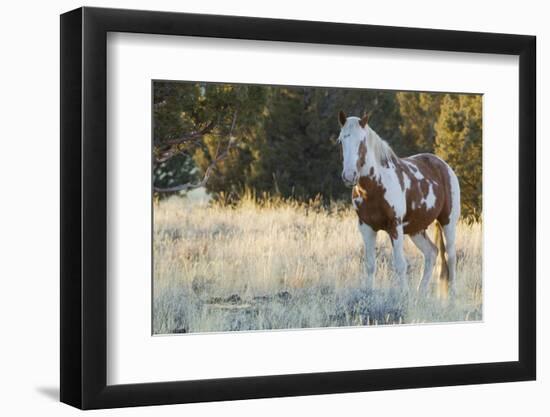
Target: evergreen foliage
column 281, row 140
column 459, row 143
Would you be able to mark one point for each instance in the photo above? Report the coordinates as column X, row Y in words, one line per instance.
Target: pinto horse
column 401, row 196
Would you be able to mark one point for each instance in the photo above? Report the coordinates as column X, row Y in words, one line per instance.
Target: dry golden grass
column 278, row 265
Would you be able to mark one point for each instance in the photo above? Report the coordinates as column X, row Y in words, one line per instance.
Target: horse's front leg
column 369, row 238
column 399, row 261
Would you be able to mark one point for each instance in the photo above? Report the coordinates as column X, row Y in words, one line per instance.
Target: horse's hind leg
column 449, row 231
column 429, row 251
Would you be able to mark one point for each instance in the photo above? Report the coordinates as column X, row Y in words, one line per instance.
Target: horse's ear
column 364, row 120
column 342, row 118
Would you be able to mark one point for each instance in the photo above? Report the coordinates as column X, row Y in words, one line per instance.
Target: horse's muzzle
column 349, row 182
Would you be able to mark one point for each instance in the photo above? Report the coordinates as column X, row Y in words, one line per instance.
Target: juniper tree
column 459, row 142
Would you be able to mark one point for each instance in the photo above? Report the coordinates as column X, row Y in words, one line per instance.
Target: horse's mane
column 383, row 153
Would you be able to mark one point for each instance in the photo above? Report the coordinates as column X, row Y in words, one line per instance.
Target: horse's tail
column 444, row 267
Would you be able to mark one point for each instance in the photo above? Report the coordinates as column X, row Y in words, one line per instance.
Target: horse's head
column 353, row 137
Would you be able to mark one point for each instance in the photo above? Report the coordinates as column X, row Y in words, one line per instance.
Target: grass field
column 280, row 265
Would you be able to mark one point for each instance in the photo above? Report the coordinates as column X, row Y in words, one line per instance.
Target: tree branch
column 177, row 146
column 217, row 158
column 188, row 137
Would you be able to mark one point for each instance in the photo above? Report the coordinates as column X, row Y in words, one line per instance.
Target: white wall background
column 29, row 225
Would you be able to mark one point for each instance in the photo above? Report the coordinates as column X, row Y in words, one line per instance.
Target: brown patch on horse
column 445, row 215
column 362, row 153
column 374, row 210
column 377, row 212
column 436, row 180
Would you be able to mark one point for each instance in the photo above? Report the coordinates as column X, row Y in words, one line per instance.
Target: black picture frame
column 84, row 207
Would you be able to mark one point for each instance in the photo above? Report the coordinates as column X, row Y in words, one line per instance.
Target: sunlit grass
column 275, row 264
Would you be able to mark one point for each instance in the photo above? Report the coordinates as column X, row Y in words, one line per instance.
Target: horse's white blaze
column 351, row 136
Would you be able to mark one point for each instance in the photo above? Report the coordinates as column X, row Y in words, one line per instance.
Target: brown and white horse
column 401, row 196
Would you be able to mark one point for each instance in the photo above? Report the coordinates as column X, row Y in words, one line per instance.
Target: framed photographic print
column 257, row 208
